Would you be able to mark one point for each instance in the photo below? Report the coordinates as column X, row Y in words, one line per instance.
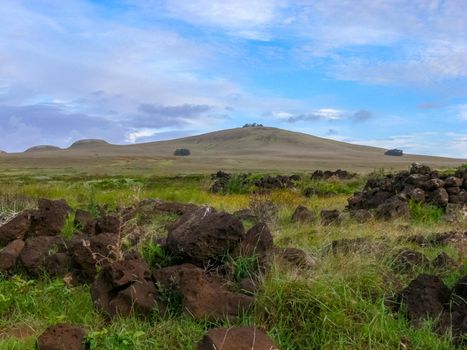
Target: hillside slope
column 246, row 149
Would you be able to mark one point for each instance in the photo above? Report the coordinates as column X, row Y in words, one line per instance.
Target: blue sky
column 381, row 73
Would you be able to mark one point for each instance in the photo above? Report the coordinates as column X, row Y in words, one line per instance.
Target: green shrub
column 238, row 184
column 424, row 213
column 155, row 256
column 70, row 226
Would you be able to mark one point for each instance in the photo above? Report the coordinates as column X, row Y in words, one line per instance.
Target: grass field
column 337, row 305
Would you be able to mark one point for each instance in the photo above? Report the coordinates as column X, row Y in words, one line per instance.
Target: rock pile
column 267, row 182
column 389, row 195
column 200, row 282
column 336, row 175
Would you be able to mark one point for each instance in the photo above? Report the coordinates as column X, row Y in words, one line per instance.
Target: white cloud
column 244, row 18
column 461, row 111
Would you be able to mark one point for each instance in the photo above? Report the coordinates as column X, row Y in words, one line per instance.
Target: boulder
column 50, row 218
column 202, row 296
column 329, row 217
column 236, row 338
column 361, row 215
column 392, row 208
column 453, row 181
column 295, row 257
column 417, row 180
column 205, row 300
column 9, row 254
column 85, row 222
column 61, row 337
column 303, row 214
column 439, row 197
column 108, row 224
column 38, row 250
column 203, row 235
column 452, row 190
column 444, row 261
column 460, row 289
column 417, row 168
column 16, row 228
column 258, row 240
column 417, row 194
column 408, row 260
column 433, row 184
column 245, row 214
column 124, row 287
column 425, row 297
column 90, row 251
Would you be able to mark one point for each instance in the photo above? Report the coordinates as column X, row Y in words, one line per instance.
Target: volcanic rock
column 9, row 254
column 236, row 338
column 203, row 235
column 303, row 214
column 61, row 337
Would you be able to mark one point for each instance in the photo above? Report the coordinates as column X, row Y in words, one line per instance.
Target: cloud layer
column 138, row 70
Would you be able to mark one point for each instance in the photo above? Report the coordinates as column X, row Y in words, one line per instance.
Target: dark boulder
column 392, row 208
column 303, row 214
column 38, row 250
column 88, row 252
column 108, row 224
column 433, row 184
column 417, row 194
column 453, row 181
column 361, row 215
column 61, row 337
column 425, row 298
column 418, row 168
column 85, row 222
column 439, row 197
column 203, row 235
column 329, row 217
column 16, row 228
column 258, row 240
column 124, row 287
column 50, row 218
column 236, row 338
column 205, row 300
column 9, row 254
column 202, row 296
column 295, row 257
column 408, row 260
column 444, row 261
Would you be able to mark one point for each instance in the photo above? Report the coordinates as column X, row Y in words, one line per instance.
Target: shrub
column 155, row 256
column 182, row 152
column 425, row 213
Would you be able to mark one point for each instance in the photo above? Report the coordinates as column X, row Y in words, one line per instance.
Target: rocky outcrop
column 204, row 235
column 236, row 338
column 62, row 336
column 387, row 194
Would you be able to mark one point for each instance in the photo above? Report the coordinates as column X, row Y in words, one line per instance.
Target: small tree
column 182, row 152
column 394, row 152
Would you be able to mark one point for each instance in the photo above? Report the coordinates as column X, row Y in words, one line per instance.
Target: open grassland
column 241, row 149
column 340, row 304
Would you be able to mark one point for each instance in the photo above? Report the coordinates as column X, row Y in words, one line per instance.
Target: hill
column 245, row 149
column 42, row 148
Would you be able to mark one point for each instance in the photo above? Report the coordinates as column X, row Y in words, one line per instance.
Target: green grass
column 337, row 305
column 425, row 213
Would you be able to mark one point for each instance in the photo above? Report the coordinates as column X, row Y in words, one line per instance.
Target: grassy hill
column 245, row 149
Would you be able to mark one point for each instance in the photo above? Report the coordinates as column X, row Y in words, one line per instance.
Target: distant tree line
column 182, row 152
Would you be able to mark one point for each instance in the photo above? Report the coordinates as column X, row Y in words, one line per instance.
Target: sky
column 386, row 73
